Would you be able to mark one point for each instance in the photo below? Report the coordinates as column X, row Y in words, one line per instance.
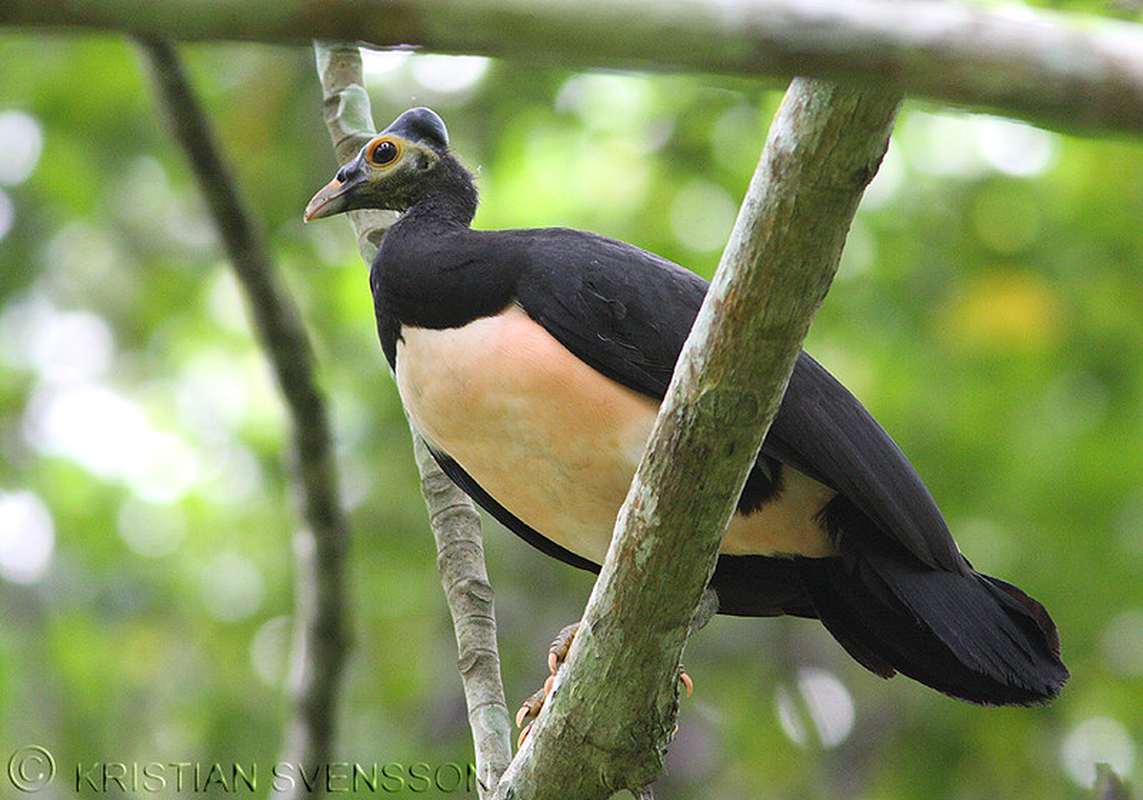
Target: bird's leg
column 558, row 653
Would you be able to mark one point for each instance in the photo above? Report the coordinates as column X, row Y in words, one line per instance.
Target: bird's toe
column 558, row 652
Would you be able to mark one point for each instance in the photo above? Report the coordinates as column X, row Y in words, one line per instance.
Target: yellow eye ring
column 383, row 152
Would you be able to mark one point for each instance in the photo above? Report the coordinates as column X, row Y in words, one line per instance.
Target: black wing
column 824, row 431
column 620, row 309
column 626, row 312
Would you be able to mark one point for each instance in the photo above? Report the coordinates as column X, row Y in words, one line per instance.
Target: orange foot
column 557, row 654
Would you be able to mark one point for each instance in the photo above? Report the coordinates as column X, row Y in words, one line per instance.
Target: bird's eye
column 384, row 152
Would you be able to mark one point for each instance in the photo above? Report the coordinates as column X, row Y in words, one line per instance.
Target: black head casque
column 392, row 171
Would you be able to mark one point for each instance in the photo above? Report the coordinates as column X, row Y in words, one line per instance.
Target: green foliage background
column 987, row 311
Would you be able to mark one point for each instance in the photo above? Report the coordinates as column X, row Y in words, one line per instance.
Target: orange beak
column 328, row 201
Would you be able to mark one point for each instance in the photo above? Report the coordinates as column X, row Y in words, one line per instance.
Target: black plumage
column 894, row 589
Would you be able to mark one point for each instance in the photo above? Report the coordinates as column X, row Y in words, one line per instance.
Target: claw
column 561, row 645
column 557, row 654
column 530, row 709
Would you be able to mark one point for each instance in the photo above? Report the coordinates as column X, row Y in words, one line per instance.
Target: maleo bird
column 534, row 362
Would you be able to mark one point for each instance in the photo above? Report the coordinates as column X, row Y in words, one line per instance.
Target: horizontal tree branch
column 1048, row 67
column 612, row 709
column 452, row 516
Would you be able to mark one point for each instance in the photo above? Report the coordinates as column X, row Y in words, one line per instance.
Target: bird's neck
column 451, row 203
column 434, row 271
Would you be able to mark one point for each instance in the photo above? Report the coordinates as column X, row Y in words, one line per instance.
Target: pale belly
column 556, row 443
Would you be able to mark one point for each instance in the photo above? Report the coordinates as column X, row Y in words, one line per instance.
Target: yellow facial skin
column 382, row 175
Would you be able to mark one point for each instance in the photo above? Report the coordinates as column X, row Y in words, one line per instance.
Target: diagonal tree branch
column 454, row 519
column 613, row 708
column 321, row 637
column 1049, row 67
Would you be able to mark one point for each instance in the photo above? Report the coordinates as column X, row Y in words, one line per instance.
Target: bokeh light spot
column 1094, row 741
column 1003, row 311
column 822, row 704
column 166, row 469
column 789, row 716
column 27, row 537
column 1014, row 148
column 379, row 63
column 21, row 143
column 90, row 424
column 72, row 347
column 151, row 529
column 269, row 651
column 211, row 396
column 737, row 133
column 883, row 190
column 111, row 437
column 83, row 254
column 448, row 75
column 232, row 587
column 702, row 216
column 7, row 214
column 62, row 347
column 607, row 101
column 225, row 304
column 941, row 144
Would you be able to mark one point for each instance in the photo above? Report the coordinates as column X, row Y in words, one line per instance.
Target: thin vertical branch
column 460, row 559
column 452, row 516
column 322, row 638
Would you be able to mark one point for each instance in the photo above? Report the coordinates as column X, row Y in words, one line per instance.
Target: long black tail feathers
column 971, row 636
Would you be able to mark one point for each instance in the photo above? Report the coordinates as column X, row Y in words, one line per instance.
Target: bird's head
column 394, row 170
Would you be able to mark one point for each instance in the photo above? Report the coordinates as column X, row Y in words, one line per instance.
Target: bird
column 533, row 362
